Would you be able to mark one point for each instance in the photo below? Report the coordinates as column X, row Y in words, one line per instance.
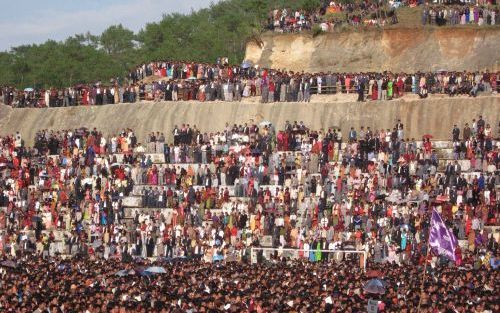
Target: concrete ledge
column 130, row 212
column 132, row 201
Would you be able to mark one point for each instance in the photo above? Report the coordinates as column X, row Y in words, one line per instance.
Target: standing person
column 455, row 133
column 384, row 90
column 380, row 83
column 47, row 98
column 85, row 96
column 300, row 95
column 150, row 246
column 319, row 82
column 375, row 95
column 425, row 14
column 265, row 92
column 400, row 85
column 272, row 88
column 389, row 89
column 361, row 90
column 282, row 91
column 238, row 90
column 230, row 90
column 116, row 94
column 307, row 91
column 66, row 97
column 466, row 132
column 98, row 96
column 175, row 90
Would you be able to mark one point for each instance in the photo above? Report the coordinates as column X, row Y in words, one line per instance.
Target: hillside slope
column 395, row 49
column 435, row 116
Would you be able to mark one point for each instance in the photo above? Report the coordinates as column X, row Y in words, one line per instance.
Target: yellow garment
column 252, row 223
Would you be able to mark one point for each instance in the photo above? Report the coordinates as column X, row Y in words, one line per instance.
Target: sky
column 36, row 21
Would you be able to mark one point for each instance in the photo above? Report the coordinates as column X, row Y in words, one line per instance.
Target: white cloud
column 52, row 23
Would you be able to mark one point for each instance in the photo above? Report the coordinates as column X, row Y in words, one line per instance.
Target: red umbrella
column 442, row 198
column 427, row 136
column 374, row 274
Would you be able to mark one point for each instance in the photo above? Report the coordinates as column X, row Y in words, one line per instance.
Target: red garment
column 400, row 85
column 272, row 87
column 85, row 95
column 375, row 92
column 427, row 146
column 16, row 162
column 120, row 173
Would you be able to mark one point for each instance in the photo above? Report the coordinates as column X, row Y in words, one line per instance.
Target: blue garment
column 90, row 155
column 403, row 241
column 312, row 255
column 480, row 182
column 79, row 228
column 494, row 263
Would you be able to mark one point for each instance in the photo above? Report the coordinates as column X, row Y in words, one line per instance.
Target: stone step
column 137, row 189
column 440, row 144
column 130, row 212
column 132, row 201
column 58, row 233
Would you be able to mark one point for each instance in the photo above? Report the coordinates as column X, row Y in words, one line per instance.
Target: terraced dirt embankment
column 436, row 116
column 394, row 49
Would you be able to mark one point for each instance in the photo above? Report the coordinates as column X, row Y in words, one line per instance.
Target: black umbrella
column 5, row 165
column 8, row 263
column 376, row 286
column 246, row 64
column 256, row 152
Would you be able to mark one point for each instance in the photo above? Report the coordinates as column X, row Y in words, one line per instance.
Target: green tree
column 116, row 40
column 310, row 5
column 201, row 36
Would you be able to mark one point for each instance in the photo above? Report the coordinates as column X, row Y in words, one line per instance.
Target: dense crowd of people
column 303, row 188
column 175, row 81
column 255, row 217
column 81, row 285
column 364, row 13
column 214, row 196
column 332, row 14
column 244, row 157
column 289, row 21
column 459, row 15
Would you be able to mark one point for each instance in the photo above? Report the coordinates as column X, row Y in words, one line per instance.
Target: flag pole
column 425, row 270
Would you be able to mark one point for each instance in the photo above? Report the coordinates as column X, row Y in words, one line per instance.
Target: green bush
column 316, row 30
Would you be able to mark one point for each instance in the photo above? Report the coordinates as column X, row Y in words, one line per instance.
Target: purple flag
column 441, row 239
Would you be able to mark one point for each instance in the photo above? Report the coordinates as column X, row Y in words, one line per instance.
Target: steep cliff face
column 397, row 50
column 435, row 116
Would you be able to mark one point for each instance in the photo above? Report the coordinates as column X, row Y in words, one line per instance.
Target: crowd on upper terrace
column 459, row 15
column 186, row 81
column 332, row 14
